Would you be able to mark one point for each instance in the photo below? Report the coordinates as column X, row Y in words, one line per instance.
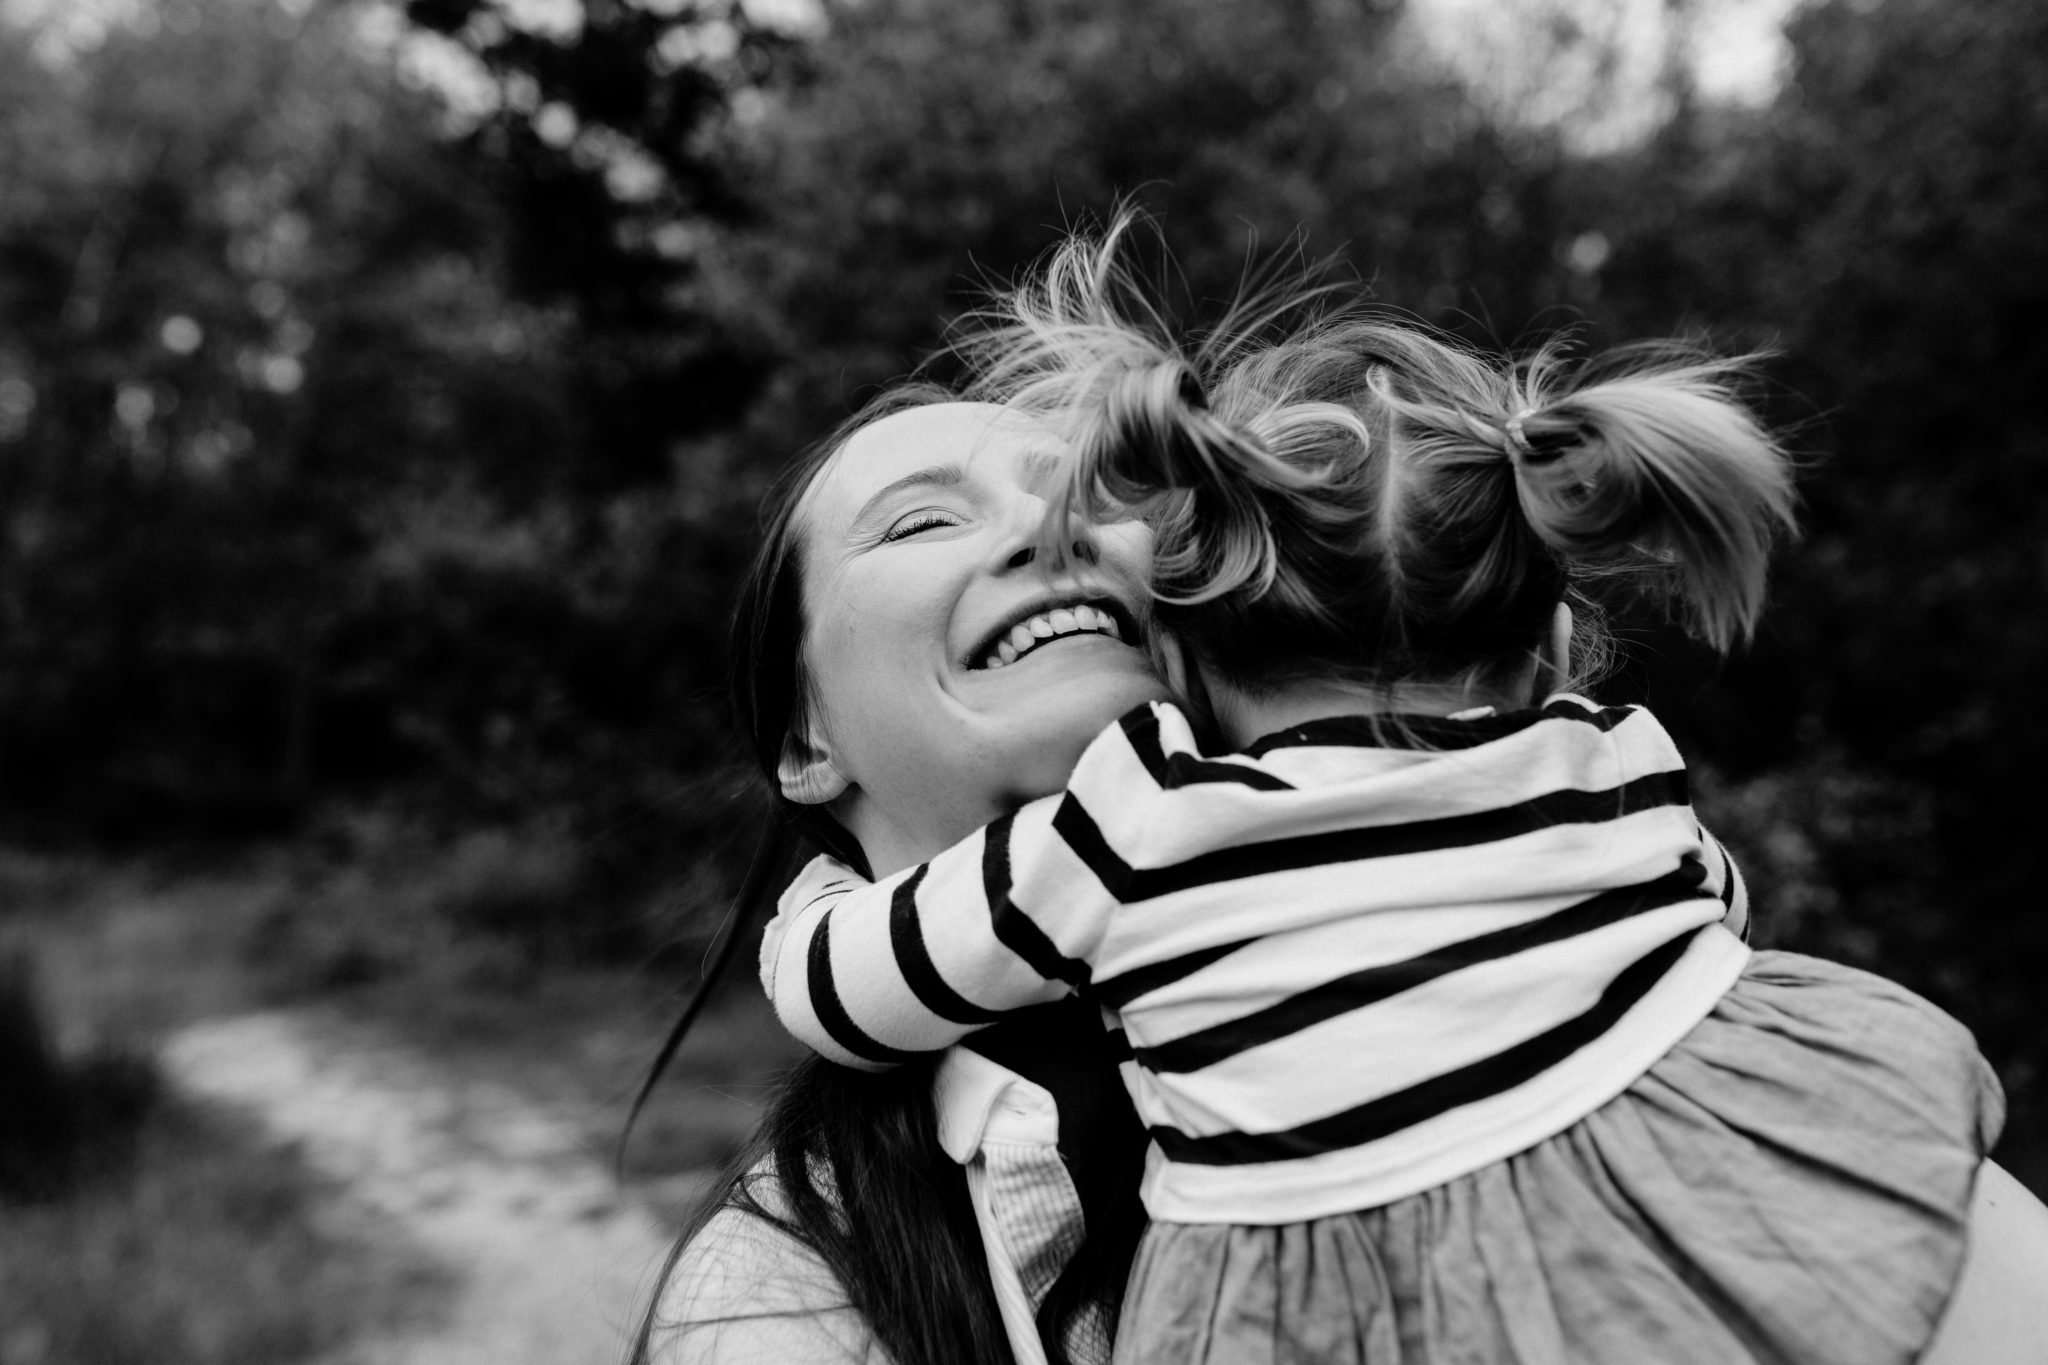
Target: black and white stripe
column 1353, row 957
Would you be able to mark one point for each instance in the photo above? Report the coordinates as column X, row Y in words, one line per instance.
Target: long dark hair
column 858, row 1173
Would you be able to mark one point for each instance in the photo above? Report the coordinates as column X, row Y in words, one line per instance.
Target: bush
column 386, row 898
column 66, row 1121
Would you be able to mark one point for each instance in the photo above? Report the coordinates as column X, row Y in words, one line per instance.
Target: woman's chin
column 1066, row 668
column 1052, row 702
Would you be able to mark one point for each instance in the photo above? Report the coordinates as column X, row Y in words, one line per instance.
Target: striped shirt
column 1353, row 961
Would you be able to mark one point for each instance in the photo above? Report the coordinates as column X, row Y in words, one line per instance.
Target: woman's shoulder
column 745, row 1289
column 1995, row 1312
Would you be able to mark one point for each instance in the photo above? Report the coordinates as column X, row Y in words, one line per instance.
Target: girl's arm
column 1724, row 880
column 871, row 973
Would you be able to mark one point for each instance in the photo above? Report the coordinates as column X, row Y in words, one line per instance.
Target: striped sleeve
column 1724, row 881
column 870, row 974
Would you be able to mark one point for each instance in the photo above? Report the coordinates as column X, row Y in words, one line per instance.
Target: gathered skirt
column 1791, row 1184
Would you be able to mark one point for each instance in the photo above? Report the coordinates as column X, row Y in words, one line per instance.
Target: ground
column 454, row 1130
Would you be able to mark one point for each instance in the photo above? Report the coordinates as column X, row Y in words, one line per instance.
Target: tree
column 604, row 155
column 926, row 147
column 1879, row 225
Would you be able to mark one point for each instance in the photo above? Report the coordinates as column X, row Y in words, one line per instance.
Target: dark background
column 378, row 450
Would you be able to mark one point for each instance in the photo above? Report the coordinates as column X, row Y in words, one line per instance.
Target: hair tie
column 1519, row 448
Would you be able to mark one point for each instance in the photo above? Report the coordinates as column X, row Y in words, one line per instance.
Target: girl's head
column 1365, row 501
column 879, row 672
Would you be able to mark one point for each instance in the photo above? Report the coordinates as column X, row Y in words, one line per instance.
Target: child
column 1439, row 1014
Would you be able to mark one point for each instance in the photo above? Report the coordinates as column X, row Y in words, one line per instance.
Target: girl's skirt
column 1791, row 1183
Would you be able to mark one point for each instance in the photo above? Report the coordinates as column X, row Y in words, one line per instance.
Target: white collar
column 980, row 1101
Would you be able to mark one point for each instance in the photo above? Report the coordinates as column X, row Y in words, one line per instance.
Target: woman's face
column 952, row 676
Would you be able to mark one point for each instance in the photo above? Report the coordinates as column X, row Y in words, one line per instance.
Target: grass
column 429, row 945
column 205, row 1248
column 580, row 1040
column 166, row 1232
column 475, row 950
column 142, row 1228
column 130, row 950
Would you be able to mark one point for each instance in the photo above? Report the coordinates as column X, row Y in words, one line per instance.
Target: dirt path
column 549, row 1265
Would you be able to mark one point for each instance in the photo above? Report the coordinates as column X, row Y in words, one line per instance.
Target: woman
column 850, row 1237
column 927, row 1215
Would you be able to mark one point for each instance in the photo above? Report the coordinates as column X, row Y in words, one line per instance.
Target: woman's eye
column 919, row 521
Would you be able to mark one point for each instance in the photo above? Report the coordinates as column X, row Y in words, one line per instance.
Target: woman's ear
column 1554, row 659
column 807, row 774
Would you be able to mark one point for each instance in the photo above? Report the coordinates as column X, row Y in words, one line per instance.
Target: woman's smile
column 1058, row 620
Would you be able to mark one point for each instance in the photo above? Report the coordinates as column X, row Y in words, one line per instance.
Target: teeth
column 1027, row 635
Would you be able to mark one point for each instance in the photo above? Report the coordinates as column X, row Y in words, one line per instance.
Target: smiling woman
column 921, row 564
column 910, row 662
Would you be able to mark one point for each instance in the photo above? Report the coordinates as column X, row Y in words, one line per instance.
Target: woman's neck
column 1246, row 716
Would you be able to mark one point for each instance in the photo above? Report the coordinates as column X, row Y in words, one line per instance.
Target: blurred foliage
column 69, row 1120
column 1880, row 227
column 310, row 494
column 362, row 448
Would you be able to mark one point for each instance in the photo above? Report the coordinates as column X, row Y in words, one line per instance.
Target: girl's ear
column 1554, row 659
column 807, row 774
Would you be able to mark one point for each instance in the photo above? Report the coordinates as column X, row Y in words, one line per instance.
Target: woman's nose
column 1081, row 550
column 1029, row 538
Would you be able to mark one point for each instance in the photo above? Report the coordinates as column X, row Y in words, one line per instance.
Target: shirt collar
column 980, row 1101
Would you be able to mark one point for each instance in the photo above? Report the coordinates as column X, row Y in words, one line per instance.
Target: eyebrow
column 1038, row 464
column 932, row 476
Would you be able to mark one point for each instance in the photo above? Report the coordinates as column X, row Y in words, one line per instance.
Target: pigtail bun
column 1154, row 443
column 1079, row 344
column 1661, row 474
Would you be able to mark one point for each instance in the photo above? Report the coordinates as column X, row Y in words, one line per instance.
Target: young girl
column 1437, row 1005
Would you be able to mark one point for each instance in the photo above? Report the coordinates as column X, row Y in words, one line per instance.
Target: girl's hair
column 855, row 1159
column 1368, row 499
